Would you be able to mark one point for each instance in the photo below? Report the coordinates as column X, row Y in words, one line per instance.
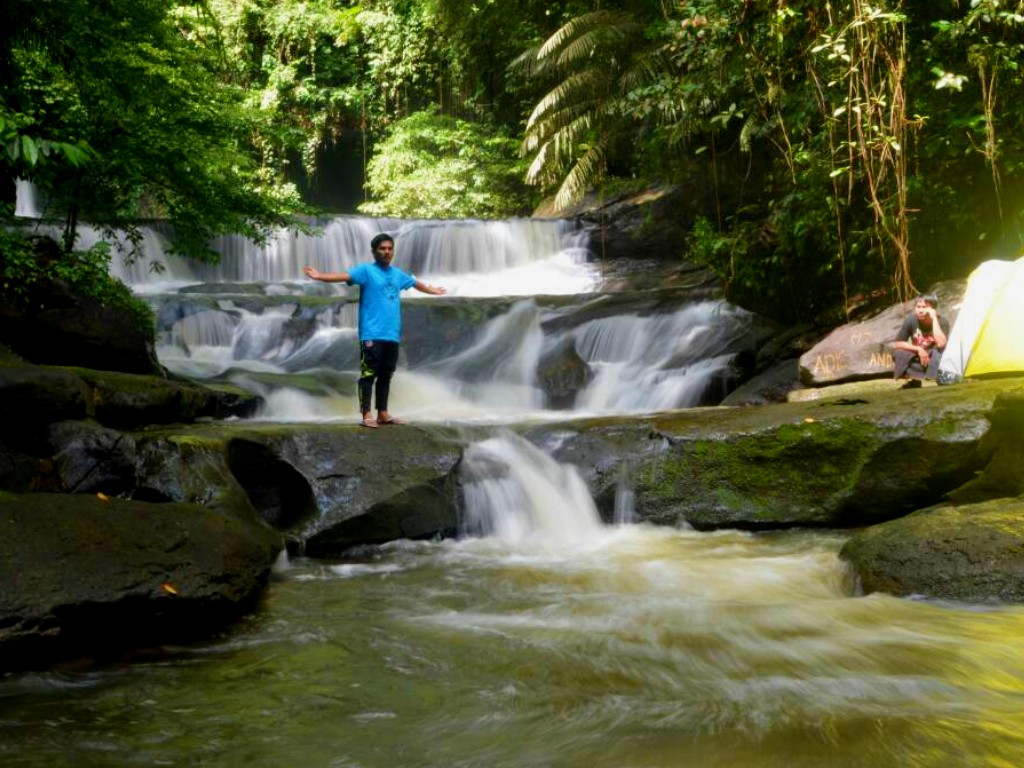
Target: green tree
column 435, row 166
column 168, row 139
column 595, row 58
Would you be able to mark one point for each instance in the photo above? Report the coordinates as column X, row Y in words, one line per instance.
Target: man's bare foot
column 385, row 418
column 369, row 422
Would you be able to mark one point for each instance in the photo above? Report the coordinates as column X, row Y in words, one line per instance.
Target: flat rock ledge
column 82, row 576
column 971, row 553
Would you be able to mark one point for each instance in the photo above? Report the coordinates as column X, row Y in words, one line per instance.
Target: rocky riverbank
column 139, row 509
column 206, row 505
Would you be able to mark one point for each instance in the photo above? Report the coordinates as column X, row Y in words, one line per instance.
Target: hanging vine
column 865, row 65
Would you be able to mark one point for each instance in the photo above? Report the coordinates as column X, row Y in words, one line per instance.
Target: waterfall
column 468, row 357
column 477, row 258
column 27, row 200
column 658, row 362
column 636, row 364
column 516, row 492
column 500, row 367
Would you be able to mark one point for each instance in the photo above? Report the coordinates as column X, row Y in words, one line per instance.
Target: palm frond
column 646, row 69
column 539, row 167
column 559, row 149
column 578, row 26
column 527, row 63
column 554, row 121
column 583, row 46
column 577, row 88
column 585, row 174
column 565, row 140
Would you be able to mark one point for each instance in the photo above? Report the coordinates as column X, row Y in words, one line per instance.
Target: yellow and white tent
column 988, row 337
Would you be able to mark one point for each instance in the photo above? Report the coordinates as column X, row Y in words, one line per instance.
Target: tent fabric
column 999, row 348
column 983, row 286
column 986, row 338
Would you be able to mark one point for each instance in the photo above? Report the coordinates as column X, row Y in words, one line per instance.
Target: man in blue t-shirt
column 380, row 321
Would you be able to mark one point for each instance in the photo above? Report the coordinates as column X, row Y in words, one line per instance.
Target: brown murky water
column 637, row 647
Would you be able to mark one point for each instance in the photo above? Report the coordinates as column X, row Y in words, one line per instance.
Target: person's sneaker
column 912, row 384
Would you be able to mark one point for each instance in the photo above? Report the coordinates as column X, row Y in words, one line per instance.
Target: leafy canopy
column 438, row 167
column 137, row 123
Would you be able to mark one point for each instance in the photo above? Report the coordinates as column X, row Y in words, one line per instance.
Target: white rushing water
column 631, row 361
column 636, row 364
column 475, row 258
column 519, row 494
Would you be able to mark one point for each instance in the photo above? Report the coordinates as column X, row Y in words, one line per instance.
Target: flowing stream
column 541, row 636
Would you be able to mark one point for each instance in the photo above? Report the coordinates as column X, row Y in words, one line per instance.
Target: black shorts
column 377, row 358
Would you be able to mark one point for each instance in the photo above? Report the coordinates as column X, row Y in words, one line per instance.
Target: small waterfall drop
column 26, row 204
column 500, row 367
column 658, row 362
column 516, row 492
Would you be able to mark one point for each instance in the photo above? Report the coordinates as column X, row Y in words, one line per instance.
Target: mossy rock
column 33, row 396
column 838, row 462
column 1003, row 450
column 331, row 486
column 972, row 553
column 80, row 575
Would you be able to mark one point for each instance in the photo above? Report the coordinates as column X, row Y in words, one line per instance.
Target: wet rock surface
column 970, row 553
column 61, row 326
column 85, row 576
column 841, row 461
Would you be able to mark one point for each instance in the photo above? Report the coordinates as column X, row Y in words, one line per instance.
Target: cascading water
column 474, row 356
column 518, row 493
column 26, row 200
column 513, row 257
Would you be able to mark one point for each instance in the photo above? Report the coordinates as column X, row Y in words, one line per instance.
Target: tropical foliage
column 141, row 125
column 829, row 150
column 843, row 148
column 437, row 167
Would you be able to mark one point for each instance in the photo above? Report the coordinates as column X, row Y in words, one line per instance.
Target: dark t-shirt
column 911, row 331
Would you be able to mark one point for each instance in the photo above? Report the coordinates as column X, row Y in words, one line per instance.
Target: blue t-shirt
column 380, row 309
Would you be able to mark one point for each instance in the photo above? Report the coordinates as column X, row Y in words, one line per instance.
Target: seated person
column 920, row 341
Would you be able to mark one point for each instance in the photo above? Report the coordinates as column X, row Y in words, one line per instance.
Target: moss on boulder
column 973, row 553
column 836, row 462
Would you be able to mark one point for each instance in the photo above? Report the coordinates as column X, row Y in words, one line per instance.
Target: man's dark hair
column 928, row 298
column 378, row 239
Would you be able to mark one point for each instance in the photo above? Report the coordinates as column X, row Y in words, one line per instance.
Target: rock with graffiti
column 863, row 350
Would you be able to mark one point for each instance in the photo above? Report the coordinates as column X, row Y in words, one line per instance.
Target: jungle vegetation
column 828, row 150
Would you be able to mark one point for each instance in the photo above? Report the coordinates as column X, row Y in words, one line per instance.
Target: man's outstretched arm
column 433, row 290
column 327, row 277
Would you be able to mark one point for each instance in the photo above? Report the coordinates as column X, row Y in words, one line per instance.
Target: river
column 640, row 647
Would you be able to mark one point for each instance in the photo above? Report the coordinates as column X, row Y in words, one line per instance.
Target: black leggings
column 377, row 361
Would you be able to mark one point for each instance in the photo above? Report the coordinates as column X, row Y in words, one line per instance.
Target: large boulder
column 329, row 487
column 368, row 486
column 839, row 462
column 652, row 224
column 32, row 397
column 89, row 458
column 562, row 373
column 80, row 575
column 770, row 386
column 1002, row 449
column 863, row 350
column 970, row 553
